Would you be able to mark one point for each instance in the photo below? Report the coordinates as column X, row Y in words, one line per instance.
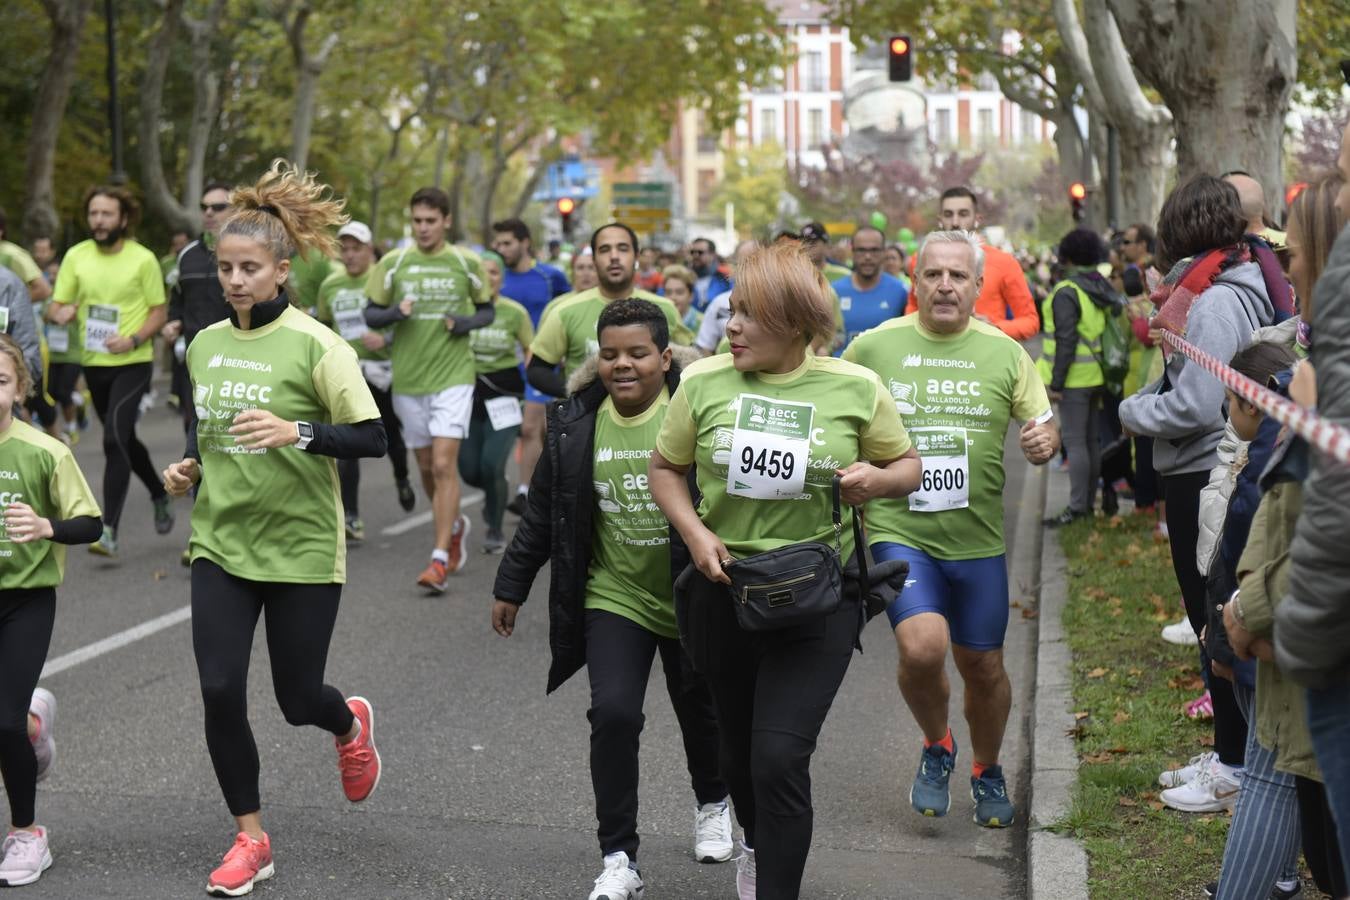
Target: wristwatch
column 304, row 434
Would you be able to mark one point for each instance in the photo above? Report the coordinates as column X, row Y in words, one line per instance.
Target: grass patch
column 1129, row 690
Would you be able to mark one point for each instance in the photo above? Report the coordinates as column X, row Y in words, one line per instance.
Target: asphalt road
column 485, row 791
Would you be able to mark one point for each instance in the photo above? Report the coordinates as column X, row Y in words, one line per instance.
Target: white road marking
column 116, row 641
column 423, row 518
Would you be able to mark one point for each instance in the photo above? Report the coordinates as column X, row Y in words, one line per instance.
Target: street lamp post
column 119, row 174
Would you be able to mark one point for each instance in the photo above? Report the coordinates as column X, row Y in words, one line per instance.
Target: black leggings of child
column 26, row 618
column 300, row 619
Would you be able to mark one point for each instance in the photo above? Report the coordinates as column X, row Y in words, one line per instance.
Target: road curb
column 1056, row 864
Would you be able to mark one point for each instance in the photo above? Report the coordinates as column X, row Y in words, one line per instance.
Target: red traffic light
column 566, row 206
column 1078, row 191
column 899, row 45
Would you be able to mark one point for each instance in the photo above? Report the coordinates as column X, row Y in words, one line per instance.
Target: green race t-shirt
column 567, row 327
column 630, row 548
column 115, row 292
column 19, row 261
column 307, row 275
column 38, row 470
column 341, row 299
column 494, row 347
column 427, row 357
column 955, row 394
column 63, row 345
column 272, row 515
column 766, row 447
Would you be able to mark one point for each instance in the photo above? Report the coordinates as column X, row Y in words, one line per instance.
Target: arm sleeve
column 545, row 377
column 1256, row 571
column 350, row 440
column 1024, row 322
column 67, row 287
column 342, row 389
column 1064, row 306
column 1030, row 401
column 481, row 318
column 550, row 343
column 21, row 325
column 77, row 530
column 532, row 544
column 377, row 316
column 679, row 432
column 70, row 491
column 884, row 435
column 524, row 331
column 175, row 302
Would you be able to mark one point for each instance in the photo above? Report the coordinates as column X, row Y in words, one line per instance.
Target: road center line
column 423, row 518
column 116, row 641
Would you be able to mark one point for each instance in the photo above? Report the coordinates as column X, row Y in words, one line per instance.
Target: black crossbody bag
column 800, row 582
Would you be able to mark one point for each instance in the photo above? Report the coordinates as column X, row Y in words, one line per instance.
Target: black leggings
column 26, row 618
column 1182, row 493
column 300, row 620
column 772, row 691
column 619, row 655
column 1320, row 847
column 349, row 470
column 117, row 393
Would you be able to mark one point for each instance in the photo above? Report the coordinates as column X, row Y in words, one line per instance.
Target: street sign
column 639, row 212
column 641, row 193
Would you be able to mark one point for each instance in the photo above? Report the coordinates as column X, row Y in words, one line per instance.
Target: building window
column 815, row 129
column 944, row 127
column 707, row 186
column 768, row 126
column 986, row 125
column 815, row 70
column 1030, row 133
column 707, row 143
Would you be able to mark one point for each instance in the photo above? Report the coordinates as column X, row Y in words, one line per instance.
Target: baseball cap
column 813, row 231
column 358, row 230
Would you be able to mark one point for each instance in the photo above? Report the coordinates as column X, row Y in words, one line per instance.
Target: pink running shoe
column 358, row 760
column 247, row 863
column 1201, row 707
column 43, row 708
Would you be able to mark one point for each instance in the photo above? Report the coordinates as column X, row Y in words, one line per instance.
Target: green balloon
column 911, row 247
column 879, row 219
column 904, row 236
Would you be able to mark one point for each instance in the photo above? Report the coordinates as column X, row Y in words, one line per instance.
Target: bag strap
column 860, row 548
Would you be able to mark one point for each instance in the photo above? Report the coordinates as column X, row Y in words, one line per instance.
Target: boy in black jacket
column 611, row 600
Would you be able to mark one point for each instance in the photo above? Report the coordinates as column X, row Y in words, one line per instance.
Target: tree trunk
column 442, row 152
column 159, row 198
column 206, row 99
column 49, row 108
column 489, row 196
column 456, row 193
column 1225, row 70
column 308, row 68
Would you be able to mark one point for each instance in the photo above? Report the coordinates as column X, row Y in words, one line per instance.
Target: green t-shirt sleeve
column 323, row 305
column 850, row 353
column 23, row 265
column 524, row 330
column 152, row 282
column 375, row 287
column 678, row 431
column 70, row 490
column 884, row 436
column 342, row 388
column 67, row 287
column 550, row 344
column 477, row 281
column 679, row 334
column 1030, row 401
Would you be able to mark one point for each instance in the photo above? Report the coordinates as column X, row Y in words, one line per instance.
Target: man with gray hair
column 957, row 382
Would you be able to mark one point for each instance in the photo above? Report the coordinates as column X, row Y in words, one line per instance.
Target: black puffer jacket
column 1312, row 625
column 558, row 524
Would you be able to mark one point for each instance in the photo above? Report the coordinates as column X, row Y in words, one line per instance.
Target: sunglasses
column 215, row 207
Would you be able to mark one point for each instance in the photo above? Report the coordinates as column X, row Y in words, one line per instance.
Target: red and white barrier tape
column 1330, row 438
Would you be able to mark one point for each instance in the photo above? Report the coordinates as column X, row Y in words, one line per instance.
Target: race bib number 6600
column 769, row 448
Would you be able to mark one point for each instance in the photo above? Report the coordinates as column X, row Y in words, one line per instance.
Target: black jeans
column 117, row 393
column 1182, row 493
column 619, row 655
column 300, row 620
column 1147, row 488
column 772, row 690
column 26, row 618
column 349, row 470
column 1320, row 846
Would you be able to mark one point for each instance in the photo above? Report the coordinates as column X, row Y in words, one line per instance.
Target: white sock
column 1232, row 773
column 1287, row 885
column 441, row 555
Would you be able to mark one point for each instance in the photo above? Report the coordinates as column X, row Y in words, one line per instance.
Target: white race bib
column 503, row 412
column 100, row 325
column 946, row 470
column 379, row 373
column 180, row 349
column 58, row 338
column 351, row 324
column 769, row 448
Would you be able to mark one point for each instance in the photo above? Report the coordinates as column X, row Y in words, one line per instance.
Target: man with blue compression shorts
column 532, row 284
column 956, row 383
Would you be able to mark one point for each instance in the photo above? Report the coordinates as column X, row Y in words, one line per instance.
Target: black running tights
column 117, row 393
column 26, row 618
column 300, row 620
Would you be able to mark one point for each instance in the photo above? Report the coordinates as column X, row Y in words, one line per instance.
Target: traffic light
column 1077, row 194
column 902, row 57
column 566, row 206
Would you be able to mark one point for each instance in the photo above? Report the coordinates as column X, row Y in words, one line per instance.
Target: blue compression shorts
column 971, row 594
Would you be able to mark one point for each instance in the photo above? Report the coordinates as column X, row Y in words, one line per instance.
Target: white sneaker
column 43, row 706
column 25, row 857
column 1211, row 790
column 745, row 874
column 1177, row 777
column 712, row 833
column 1180, row 633
column 619, row 880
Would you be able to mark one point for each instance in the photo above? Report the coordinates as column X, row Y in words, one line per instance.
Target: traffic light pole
column 1112, row 178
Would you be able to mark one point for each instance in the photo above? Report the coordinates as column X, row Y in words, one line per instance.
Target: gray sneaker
column 106, row 545
column 25, row 857
column 43, row 708
column 494, row 541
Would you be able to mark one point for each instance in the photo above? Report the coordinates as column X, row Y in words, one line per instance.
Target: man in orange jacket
column 1005, row 300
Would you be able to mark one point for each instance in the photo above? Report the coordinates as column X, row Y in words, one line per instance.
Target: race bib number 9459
column 769, row 448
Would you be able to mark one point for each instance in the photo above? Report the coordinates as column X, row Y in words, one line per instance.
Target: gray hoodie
column 1184, row 411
